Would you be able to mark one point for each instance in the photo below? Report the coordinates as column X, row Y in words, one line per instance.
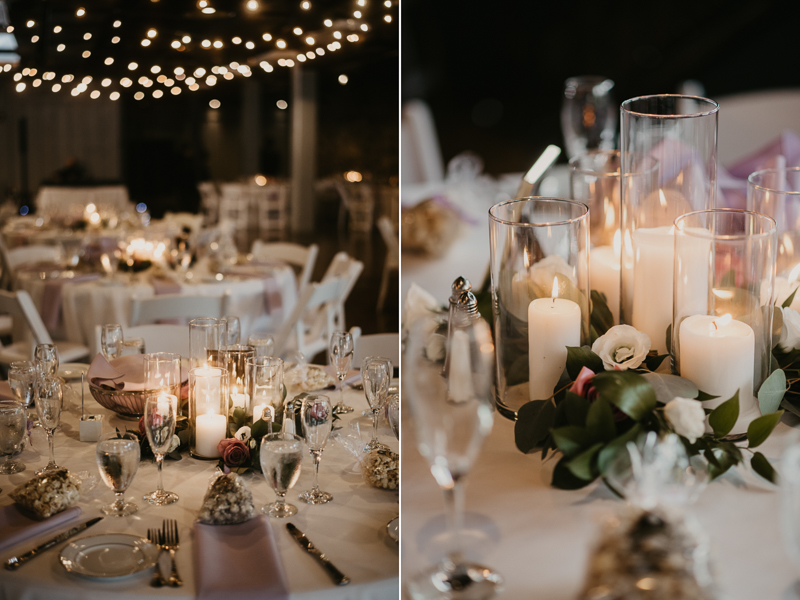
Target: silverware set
column 166, row 539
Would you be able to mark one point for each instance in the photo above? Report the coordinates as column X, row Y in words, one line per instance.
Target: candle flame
column 721, row 322
column 526, row 259
column 617, row 242
column 671, row 230
column 611, row 215
column 555, row 288
column 662, row 198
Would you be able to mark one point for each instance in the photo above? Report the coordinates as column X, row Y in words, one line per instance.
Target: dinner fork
column 170, row 542
column 158, row 578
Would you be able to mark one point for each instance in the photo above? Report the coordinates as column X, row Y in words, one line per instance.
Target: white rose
column 174, row 444
column 790, row 332
column 622, row 348
column 435, row 348
column 419, row 303
column 243, row 434
column 687, row 417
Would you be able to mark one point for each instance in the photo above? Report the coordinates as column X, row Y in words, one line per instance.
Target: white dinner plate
column 111, row 555
column 72, row 370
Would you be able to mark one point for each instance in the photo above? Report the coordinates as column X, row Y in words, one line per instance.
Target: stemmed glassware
column 21, row 379
column 317, row 416
column 159, row 424
column 45, row 357
column 342, row 348
column 281, row 456
column 13, row 425
column 118, row 461
column 376, row 372
column 234, row 330
column 589, row 115
column 111, row 341
column 49, row 400
column 453, row 413
column 393, row 526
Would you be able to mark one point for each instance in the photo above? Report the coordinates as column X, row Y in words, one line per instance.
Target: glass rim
column 625, row 107
column 258, row 361
column 773, row 170
column 773, row 230
column 162, row 356
column 587, row 79
column 543, row 200
column 206, row 321
column 222, row 371
column 573, row 162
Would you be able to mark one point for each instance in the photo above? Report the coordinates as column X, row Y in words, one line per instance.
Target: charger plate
column 109, row 556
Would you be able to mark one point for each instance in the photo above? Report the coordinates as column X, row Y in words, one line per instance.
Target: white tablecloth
column 350, row 530
column 539, row 538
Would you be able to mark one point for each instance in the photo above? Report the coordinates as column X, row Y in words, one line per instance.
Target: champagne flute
column 46, row 359
column 13, row 425
column 281, row 456
column 376, row 373
column 21, row 379
column 49, row 401
column 111, row 341
column 453, row 413
column 118, row 460
column 394, row 414
column 341, row 348
column 317, row 416
column 234, row 330
column 160, row 415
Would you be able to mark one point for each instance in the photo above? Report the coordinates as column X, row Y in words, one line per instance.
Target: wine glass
column 160, row 415
column 118, row 461
column 588, row 115
column 264, row 343
column 394, row 414
column 281, row 456
column 317, row 416
column 341, row 348
column 13, row 425
column 111, row 341
column 21, row 378
column 376, row 372
column 234, row 330
column 132, row 345
column 45, row 356
column 49, row 400
column 453, row 413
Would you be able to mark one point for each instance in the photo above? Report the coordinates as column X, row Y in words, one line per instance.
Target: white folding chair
column 304, row 257
column 273, row 209
column 390, row 238
column 29, row 330
column 36, row 253
column 377, row 344
column 234, row 207
column 343, row 265
column 176, row 306
column 358, row 199
column 157, row 338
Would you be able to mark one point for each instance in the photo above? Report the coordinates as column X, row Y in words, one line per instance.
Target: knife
column 12, row 564
column 338, row 577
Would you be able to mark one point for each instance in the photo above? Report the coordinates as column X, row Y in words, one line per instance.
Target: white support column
column 303, row 147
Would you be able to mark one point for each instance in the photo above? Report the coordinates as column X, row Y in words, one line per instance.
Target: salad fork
column 158, row 578
column 171, row 543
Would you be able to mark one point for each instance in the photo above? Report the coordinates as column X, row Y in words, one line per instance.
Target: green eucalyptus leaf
column 579, row 357
column 759, row 429
column 667, row 386
column 771, row 392
column 601, row 318
column 534, row 420
column 788, row 302
column 653, row 361
column 575, row 408
column 571, row 440
column 600, row 421
column 259, row 429
column 723, row 418
column 724, row 461
column 789, row 406
column 607, row 454
column 584, row 466
column 564, row 479
column 703, row 397
column 762, row 466
column 628, row 391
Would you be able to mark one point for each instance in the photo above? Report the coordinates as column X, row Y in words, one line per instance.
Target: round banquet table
column 351, row 530
column 540, row 538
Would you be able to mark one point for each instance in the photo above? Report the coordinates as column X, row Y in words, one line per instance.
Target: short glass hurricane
column 160, row 416
column 281, row 456
column 341, row 350
column 376, row 372
column 13, row 425
column 49, row 401
column 118, row 460
column 317, row 417
column 111, row 341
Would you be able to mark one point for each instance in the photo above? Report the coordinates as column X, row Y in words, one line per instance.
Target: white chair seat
column 67, row 352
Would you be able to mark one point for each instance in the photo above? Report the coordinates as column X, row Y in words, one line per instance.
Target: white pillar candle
column 604, row 271
column 718, row 355
column 653, row 266
column 207, row 388
column 553, row 324
column 240, row 400
column 210, row 429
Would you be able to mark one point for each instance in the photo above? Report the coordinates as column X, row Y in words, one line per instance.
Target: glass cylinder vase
column 162, row 372
column 265, row 386
column 206, row 335
column 679, row 134
column 208, row 410
column 234, row 359
column 776, row 193
column 724, row 293
column 540, row 293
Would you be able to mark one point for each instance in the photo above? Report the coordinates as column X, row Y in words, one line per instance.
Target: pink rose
column 141, row 426
column 583, row 384
column 234, row 452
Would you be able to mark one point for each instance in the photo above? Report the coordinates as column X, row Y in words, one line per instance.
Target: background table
column 351, row 530
column 539, row 538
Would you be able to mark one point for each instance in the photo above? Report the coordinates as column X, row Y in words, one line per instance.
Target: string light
column 109, row 61
column 157, row 93
column 125, row 82
column 138, row 95
column 305, row 5
column 87, row 36
column 86, row 80
column 266, row 37
column 280, row 44
column 30, row 23
column 297, row 31
column 178, row 71
column 301, row 57
column 320, row 52
column 117, row 23
column 237, row 40
column 388, row 18
column 208, row 10
column 115, row 39
column 34, row 39
column 252, row 5
column 357, row 14
column 217, row 43
column 145, row 42
column 114, row 96
column 250, row 45
column 155, row 69
column 282, row 104
column 175, row 44
column 328, row 23
column 199, row 72
column 205, row 43
column 364, row 27
column 60, row 48
column 132, row 66
column 151, row 33
column 106, row 82
column 362, row 2
column 56, row 87
column 186, row 39
column 86, row 54
column 37, row 82
column 57, row 29
column 337, row 35
column 215, row 104
column 175, row 91
column 311, row 55
column 310, row 41
column 94, row 95
column 388, row 4
column 80, row 12
column 20, row 86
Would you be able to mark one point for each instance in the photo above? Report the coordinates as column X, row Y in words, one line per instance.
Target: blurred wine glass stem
column 316, row 455
column 159, row 462
column 454, row 518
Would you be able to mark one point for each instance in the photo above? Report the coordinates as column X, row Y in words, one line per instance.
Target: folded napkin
column 125, row 373
column 15, row 527
column 5, row 391
column 238, row 561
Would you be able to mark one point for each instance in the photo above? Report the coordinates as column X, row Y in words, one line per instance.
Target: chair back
column 343, row 265
column 34, row 254
column 157, row 338
column 28, row 323
column 177, row 306
column 391, row 239
column 272, row 201
column 304, row 257
column 377, row 344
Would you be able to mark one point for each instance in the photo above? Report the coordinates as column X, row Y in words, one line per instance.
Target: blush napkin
column 125, row 373
column 5, row 391
column 15, row 527
column 238, row 561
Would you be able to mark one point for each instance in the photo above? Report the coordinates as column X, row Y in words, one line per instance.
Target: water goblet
column 264, row 343
column 159, row 425
column 453, row 414
column 376, row 372
column 118, row 460
column 234, row 330
column 281, row 456
column 341, row 348
column 317, row 417
column 49, row 400
column 13, row 425
column 111, row 341
column 45, row 356
column 21, row 379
